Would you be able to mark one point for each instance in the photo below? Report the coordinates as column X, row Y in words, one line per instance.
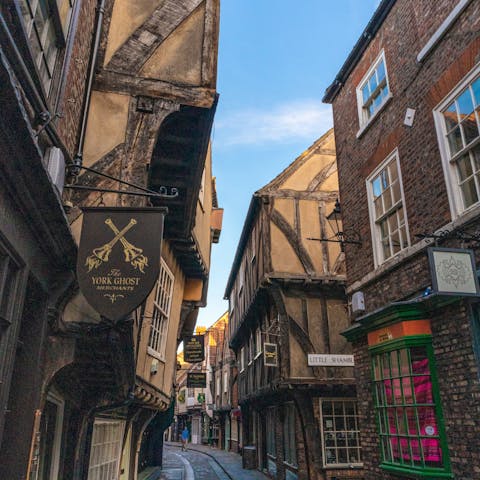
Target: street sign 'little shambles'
column 193, row 348
column 119, row 257
column 327, row 360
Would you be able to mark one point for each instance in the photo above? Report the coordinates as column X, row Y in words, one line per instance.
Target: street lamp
column 339, row 236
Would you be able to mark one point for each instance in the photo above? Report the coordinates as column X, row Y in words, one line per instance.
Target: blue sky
column 276, row 58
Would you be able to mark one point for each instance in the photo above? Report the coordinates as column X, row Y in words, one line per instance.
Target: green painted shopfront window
column 407, row 406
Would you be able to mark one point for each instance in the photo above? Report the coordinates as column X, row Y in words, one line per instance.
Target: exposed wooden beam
column 115, row 82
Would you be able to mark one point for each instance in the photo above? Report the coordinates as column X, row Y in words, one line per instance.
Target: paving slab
column 229, row 462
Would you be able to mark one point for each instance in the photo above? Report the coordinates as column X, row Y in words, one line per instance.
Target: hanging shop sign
column 119, row 257
column 196, row 380
column 201, row 398
column 270, row 354
column 453, row 271
column 193, row 348
column 326, row 360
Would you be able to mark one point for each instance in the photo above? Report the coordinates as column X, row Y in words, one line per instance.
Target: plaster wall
column 107, row 124
column 179, row 58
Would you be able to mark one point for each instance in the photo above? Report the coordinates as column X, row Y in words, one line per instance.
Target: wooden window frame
column 343, row 432
column 118, row 452
column 376, row 222
column 379, row 354
column 364, row 117
column 45, row 48
column 160, row 320
column 451, row 159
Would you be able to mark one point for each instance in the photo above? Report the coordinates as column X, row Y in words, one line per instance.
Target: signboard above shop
column 196, row 380
column 270, row 354
column 453, row 271
column 193, row 348
column 327, row 360
column 119, row 257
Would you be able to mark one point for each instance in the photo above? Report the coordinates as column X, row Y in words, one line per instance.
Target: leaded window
column 387, row 211
column 461, row 121
column 340, row 432
column 407, row 409
column 161, row 312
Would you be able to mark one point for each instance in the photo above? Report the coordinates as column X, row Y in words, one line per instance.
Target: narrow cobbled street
column 200, row 462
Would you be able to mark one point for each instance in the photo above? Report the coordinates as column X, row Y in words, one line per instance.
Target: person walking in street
column 185, row 435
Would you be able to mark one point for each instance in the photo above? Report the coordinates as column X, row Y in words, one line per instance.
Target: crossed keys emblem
column 133, row 254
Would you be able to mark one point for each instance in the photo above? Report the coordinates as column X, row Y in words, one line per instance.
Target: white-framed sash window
column 161, row 312
column 457, row 120
column 340, row 433
column 387, row 210
column 106, row 449
column 373, row 91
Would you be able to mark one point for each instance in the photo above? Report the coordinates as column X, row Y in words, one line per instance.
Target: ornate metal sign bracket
column 458, row 234
column 163, row 192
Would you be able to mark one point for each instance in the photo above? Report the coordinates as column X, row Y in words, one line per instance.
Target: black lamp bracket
column 163, row 192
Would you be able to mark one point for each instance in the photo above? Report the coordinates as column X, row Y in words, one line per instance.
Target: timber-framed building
column 286, row 292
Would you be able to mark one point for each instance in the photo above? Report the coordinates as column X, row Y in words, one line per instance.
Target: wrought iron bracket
column 340, row 238
column 457, row 234
column 163, row 192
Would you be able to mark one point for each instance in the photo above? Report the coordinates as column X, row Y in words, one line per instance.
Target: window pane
column 365, row 94
column 476, row 91
column 387, row 199
column 469, row 192
column 464, row 167
column 450, row 116
column 470, row 128
column 381, row 71
column 464, row 103
column 373, row 82
column 455, row 141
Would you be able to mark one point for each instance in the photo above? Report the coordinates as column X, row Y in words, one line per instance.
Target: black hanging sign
column 193, row 348
column 119, row 257
column 196, row 380
column 270, row 356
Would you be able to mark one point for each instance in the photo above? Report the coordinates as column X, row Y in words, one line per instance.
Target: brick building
column 406, row 106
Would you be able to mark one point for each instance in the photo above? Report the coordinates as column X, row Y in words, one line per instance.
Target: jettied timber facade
column 126, row 89
column 286, row 303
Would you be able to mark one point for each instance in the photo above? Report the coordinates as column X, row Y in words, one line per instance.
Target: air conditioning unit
column 56, row 167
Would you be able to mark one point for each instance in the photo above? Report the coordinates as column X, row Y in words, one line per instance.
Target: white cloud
column 305, row 119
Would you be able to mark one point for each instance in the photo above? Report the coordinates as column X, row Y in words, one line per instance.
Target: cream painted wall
column 201, row 231
column 179, row 57
column 107, row 124
column 127, row 16
column 284, row 259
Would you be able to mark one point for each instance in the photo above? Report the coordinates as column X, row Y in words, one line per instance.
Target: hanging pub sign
column 270, row 355
column 196, row 380
column 119, row 257
column 193, row 348
column 453, row 271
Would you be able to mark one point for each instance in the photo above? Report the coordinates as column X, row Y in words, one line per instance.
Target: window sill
column 153, row 353
column 371, row 120
column 291, row 466
column 342, row 466
column 257, row 355
column 385, row 267
column 417, row 472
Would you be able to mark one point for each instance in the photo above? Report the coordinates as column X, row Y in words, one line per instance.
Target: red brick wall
column 412, row 86
column 420, row 86
column 71, row 104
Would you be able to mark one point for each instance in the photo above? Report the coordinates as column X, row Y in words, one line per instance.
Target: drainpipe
column 78, row 158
